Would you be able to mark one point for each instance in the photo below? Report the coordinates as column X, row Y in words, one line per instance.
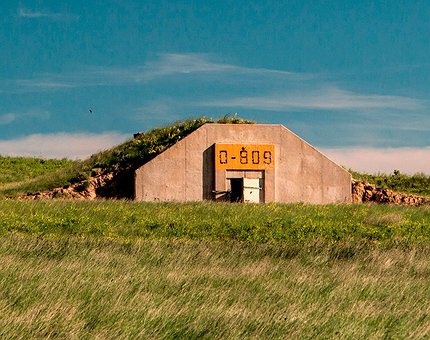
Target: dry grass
column 74, row 288
column 387, row 219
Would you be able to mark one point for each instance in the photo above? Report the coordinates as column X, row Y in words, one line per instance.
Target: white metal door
column 251, row 190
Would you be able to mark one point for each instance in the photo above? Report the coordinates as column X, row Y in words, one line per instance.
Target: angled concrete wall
column 186, row 171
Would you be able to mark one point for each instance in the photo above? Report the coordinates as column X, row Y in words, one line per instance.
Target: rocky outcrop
column 363, row 192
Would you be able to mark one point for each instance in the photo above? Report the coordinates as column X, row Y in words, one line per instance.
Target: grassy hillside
column 121, row 269
column 122, row 159
column 19, row 169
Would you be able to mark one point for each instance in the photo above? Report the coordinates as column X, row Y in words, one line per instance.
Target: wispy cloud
column 7, row 118
column 170, row 64
column 374, row 160
column 57, row 82
column 325, row 98
column 13, row 117
column 195, row 63
column 29, row 14
column 166, row 65
column 60, row 145
column 162, row 110
column 285, row 90
column 44, row 84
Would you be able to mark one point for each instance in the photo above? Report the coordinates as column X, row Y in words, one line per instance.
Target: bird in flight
column 91, row 111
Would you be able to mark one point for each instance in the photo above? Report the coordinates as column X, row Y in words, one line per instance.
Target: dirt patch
column 83, row 190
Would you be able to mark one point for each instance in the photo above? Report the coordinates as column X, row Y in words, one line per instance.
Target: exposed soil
column 110, row 185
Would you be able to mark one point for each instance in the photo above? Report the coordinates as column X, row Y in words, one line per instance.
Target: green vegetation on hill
column 418, row 184
column 122, row 158
column 147, row 145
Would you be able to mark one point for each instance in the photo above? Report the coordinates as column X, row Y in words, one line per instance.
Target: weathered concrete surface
column 186, row 171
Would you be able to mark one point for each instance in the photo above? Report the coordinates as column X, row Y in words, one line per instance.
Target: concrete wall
column 186, row 171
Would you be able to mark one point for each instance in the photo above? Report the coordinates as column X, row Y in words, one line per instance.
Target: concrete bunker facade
column 243, row 163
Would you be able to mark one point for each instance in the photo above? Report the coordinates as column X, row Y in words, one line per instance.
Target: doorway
column 248, row 190
column 236, row 191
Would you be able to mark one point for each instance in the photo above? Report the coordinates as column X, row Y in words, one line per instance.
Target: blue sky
column 350, row 77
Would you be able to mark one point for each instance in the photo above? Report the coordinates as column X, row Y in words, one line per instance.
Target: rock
column 363, row 192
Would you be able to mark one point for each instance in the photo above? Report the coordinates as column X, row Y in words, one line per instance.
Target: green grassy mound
column 122, row 159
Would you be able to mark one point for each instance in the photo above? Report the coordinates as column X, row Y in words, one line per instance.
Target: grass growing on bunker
column 127, row 156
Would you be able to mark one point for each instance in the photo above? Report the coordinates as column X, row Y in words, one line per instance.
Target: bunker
column 254, row 163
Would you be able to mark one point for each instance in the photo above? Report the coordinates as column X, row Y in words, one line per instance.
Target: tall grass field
column 121, row 269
